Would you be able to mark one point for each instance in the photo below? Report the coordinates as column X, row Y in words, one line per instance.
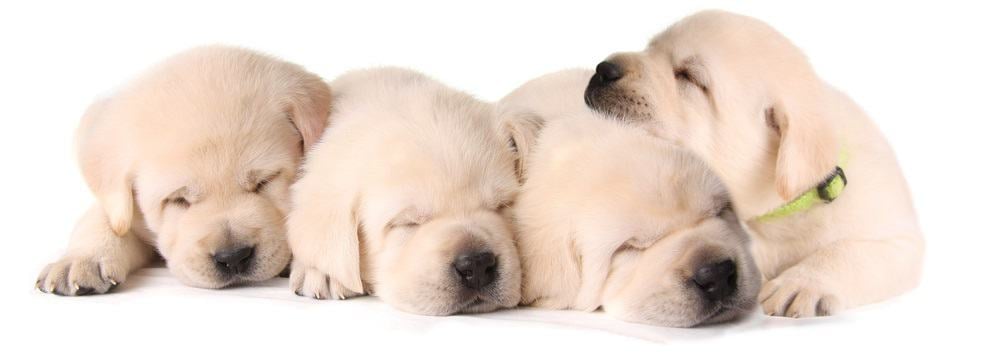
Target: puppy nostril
column 608, row 72
column 716, row 280
column 234, row 260
column 476, row 270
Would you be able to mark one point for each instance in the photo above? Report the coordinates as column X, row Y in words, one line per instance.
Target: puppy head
column 698, row 275
column 428, row 230
column 610, row 216
column 207, row 145
column 733, row 90
column 441, row 262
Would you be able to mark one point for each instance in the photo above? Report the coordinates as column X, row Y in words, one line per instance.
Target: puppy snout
column 476, row 270
column 234, row 260
column 717, row 281
column 607, row 72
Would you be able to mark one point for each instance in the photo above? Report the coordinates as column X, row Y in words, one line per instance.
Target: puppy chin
column 479, row 306
column 455, row 299
column 744, row 303
column 476, row 305
column 199, row 278
column 487, row 302
column 725, row 314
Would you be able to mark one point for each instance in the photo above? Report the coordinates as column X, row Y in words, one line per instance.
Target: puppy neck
column 823, row 193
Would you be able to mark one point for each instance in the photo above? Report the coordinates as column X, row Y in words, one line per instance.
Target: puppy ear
column 551, row 263
column 521, row 128
column 808, row 146
column 344, row 240
column 106, row 166
column 308, row 108
column 323, row 231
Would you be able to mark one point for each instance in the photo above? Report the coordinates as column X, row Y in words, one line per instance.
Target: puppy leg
column 844, row 274
column 97, row 259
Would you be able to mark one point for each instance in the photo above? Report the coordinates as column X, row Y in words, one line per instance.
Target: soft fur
column 612, row 217
column 410, row 175
column 743, row 98
column 195, row 156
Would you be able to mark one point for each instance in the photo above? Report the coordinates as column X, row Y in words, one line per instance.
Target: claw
column 113, row 283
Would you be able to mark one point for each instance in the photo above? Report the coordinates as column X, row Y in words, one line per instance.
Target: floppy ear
column 551, row 271
column 521, row 128
column 106, row 165
column 308, row 108
column 808, row 148
column 343, row 235
column 323, row 231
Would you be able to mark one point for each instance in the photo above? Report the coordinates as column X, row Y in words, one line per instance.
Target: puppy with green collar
column 815, row 181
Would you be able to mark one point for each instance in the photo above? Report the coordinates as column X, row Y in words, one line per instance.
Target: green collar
column 827, row 191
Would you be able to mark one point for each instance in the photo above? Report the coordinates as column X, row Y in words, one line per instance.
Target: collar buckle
column 824, row 188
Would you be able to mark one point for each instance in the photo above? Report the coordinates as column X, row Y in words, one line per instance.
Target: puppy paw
column 311, row 282
column 797, row 298
column 81, row 275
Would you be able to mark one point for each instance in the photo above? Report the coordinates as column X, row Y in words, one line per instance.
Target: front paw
column 797, row 297
column 312, row 282
column 81, row 275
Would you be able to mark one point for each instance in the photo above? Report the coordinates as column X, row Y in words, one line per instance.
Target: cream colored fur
column 743, row 98
column 194, row 156
column 410, row 175
column 612, row 217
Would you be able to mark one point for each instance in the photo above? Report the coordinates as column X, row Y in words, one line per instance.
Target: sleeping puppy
column 610, row 216
column 193, row 161
column 817, row 183
column 405, row 197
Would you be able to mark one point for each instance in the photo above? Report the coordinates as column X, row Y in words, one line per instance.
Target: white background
column 923, row 72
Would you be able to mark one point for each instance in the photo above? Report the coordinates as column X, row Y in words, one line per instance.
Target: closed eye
column 402, row 225
column 406, row 219
column 682, row 74
column 180, row 202
column 686, row 76
column 503, row 205
column 177, row 199
column 262, row 183
column 636, row 243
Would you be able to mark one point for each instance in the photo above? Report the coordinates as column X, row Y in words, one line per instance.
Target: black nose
column 717, row 280
column 234, row 260
column 476, row 270
column 608, row 72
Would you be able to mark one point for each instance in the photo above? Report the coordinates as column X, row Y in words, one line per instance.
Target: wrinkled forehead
column 722, row 39
column 442, row 188
column 214, row 162
column 432, row 183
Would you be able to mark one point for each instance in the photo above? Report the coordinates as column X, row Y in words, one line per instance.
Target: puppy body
column 743, row 98
column 411, row 176
column 612, row 217
column 193, row 160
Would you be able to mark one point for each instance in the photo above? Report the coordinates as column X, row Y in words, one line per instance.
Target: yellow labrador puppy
column 612, row 217
column 193, row 161
column 405, row 197
column 816, row 181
